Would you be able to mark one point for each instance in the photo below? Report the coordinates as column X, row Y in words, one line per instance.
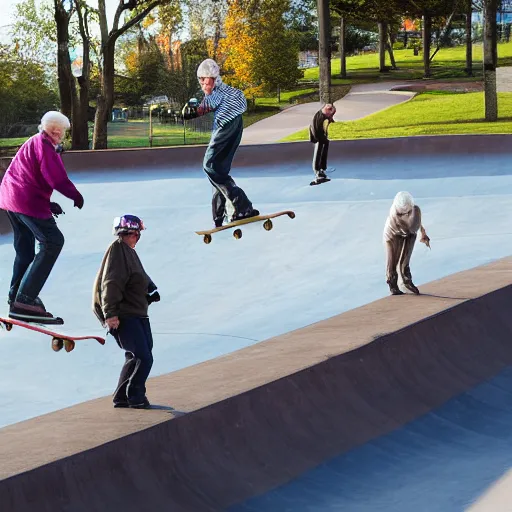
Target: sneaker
column 141, row 405
column 411, row 287
column 121, row 404
column 29, row 310
column 245, row 215
column 320, row 175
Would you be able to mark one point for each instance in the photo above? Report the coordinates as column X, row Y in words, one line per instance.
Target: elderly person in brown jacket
column 121, row 296
column 402, row 225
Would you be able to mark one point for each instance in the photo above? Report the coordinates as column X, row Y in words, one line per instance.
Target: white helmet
column 208, row 69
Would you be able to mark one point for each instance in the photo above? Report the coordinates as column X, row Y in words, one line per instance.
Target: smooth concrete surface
column 239, row 425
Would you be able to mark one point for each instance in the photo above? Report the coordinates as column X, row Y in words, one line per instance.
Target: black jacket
column 317, row 128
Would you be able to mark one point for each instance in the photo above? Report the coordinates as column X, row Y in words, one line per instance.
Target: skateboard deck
column 266, row 219
column 59, row 340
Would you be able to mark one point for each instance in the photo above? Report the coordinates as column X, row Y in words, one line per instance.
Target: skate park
column 307, row 386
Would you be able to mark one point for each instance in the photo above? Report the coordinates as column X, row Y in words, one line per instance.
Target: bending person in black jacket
column 121, row 296
column 318, row 131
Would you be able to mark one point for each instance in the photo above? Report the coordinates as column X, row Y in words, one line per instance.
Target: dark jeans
column 31, row 270
column 320, row 156
column 134, row 336
column 217, row 166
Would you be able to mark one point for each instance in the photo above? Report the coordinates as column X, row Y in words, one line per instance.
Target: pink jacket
column 34, row 173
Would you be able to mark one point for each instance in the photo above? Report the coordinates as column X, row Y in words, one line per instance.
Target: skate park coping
column 238, row 425
column 272, row 157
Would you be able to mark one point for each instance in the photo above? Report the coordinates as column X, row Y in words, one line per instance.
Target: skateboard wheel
column 8, row 326
column 207, row 239
column 291, row 215
column 268, row 225
column 237, row 234
column 69, row 345
column 57, row 344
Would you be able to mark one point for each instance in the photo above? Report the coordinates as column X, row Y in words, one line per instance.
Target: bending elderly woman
column 34, row 173
column 121, row 296
column 402, row 225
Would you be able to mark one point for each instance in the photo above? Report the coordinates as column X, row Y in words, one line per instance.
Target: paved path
column 361, row 101
column 503, row 79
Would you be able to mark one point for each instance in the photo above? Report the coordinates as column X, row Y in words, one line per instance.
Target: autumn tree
column 261, row 51
column 238, row 46
column 275, row 56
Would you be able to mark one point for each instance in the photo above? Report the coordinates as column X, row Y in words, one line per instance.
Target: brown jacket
column 402, row 225
column 121, row 285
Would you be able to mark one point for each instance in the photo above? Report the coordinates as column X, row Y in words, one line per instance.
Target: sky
column 8, row 9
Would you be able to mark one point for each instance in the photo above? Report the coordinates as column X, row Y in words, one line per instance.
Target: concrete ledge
column 257, row 155
column 254, row 419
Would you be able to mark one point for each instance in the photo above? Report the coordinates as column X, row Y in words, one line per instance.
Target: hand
column 153, row 297
column 79, row 201
column 112, row 322
column 189, row 112
column 56, row 209
column 425, row 240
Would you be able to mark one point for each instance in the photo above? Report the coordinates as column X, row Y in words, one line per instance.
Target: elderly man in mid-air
column 229, row 201
column 402, row 225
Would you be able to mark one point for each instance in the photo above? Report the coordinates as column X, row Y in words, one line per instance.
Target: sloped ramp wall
column 261, row 416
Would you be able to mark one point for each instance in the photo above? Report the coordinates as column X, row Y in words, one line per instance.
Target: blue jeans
column 135, row 338
column 31, row 270
column 217, row 166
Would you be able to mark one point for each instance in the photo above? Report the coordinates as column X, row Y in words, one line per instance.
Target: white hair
column 54, row 118
column 403, row 202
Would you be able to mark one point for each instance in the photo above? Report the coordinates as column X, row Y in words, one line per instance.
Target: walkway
column 361, row 101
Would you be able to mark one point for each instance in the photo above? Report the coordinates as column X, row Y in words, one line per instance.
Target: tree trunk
column 427, row 33
column 390, row 51
column 324, row 58
column 382, row 46
column 105, row 100
column 171, row 53
column 469, row 37
column 490, row 60
column 67, row 88
column 343, row 49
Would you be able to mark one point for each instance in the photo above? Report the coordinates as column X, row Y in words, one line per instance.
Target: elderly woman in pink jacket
column 34, row 173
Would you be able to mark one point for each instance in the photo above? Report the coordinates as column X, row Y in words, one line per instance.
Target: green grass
column 429, row 113
column 14, row 141
column 448, row 63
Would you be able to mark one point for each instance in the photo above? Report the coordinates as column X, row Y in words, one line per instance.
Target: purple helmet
column 127, row 224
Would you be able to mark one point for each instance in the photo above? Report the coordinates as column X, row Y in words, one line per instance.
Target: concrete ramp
column 237, row 426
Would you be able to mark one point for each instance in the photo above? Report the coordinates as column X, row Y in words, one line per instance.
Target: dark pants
column 31, row 270
column 134, row 336
column 399, row 252
column 217, row 166
column 320, row 155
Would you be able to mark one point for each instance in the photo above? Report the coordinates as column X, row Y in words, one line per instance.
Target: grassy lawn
column 448, row 63
column 15, row 141
column 429, row 113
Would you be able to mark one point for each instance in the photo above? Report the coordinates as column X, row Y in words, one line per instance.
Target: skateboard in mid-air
column 319, row 181
column 237, row 233
column 58, row 340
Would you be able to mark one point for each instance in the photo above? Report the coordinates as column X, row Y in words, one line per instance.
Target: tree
column 25, row 91
column 105, row 100
column 275, row 56
column 490, row 60
column 261, row 52
column 171, row 20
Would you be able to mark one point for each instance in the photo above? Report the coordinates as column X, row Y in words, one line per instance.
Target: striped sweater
column 227, row 103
